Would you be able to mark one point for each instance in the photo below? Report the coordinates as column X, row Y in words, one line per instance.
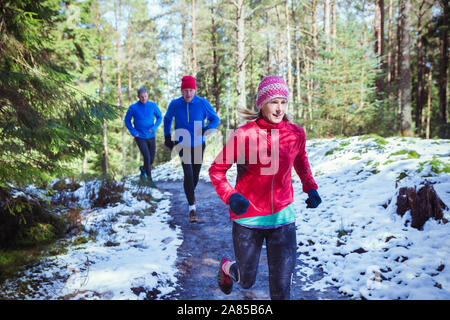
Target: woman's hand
column 313, row 199
column 238, row 203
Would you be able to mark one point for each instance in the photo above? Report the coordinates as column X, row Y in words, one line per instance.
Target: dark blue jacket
column 143, row 119
column 190, row 120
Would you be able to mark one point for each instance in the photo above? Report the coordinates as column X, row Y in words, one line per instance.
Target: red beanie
column 188, row 82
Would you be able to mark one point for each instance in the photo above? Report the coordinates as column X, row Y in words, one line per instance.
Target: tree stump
column 424, row 204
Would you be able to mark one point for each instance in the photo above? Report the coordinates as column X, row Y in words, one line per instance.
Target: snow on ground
column 365, row 249
column 355, row 236
column 132, row 257
column 378, row 254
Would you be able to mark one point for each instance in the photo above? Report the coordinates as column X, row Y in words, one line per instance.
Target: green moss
column 372, row 164
column 80, row 240
column 411, row 154
column 13, row 260
column 402, row 175
column 40, row 233
column 345, row 143
column 437, row 166
column 59, row 248
column 330, row 152
column 380, row 141
column 355, row 158
column 11, row 257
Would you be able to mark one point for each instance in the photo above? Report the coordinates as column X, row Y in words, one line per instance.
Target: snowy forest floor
column 353, row 246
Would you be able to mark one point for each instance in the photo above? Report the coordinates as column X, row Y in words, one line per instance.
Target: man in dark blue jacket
column 144, row 114
column 190, row 112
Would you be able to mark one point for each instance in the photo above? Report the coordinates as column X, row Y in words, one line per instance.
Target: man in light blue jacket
column 146, row 119
column 190, row 112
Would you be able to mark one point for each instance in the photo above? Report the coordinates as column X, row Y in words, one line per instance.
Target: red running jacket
column 264, row 154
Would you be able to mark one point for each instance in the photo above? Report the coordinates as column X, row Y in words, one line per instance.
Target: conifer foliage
column 44, row 121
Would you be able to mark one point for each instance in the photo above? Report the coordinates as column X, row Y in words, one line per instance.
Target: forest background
column 70, row 69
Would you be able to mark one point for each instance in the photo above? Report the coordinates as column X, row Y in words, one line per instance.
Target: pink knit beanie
column 271, row 87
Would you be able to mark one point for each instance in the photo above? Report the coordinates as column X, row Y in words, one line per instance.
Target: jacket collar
column 192, row 101
column 265, row 125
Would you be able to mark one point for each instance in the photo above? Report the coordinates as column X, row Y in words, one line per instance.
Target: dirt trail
column 205, row 242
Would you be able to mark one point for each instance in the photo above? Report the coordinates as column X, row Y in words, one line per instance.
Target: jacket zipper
column 273, row 176
column 188, row 112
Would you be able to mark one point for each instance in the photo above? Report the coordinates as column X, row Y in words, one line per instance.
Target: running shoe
column 152, row 184
column 193, row 216
column 224, row 281
column 143, row 175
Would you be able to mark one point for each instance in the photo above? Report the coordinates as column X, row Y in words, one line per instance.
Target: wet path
column 205, row 242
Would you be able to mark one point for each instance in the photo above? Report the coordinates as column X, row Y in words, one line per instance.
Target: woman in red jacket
column 261, row 203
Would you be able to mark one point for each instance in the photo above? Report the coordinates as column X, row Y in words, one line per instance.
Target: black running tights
column 191, row 169
column 147, row 148
column 281, row 247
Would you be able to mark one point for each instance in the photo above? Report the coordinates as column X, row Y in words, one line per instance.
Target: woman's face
column 274, row 110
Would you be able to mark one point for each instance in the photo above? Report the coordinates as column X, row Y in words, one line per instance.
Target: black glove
column 238, row 203
column 313, row 199
column 168, row 142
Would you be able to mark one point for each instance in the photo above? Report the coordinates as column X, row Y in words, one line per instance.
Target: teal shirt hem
column 285, row 216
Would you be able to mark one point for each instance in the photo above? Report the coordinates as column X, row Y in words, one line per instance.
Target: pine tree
column 46, row 122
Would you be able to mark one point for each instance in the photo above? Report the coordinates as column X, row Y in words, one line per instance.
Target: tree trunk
column 389, row 49
column 216, row 91
column 299, row 103
column 314, row 30
column 130, row 85
column 333, row 24
column 420, row 92
column 240, row 62
column 119, row 83
column 309, row 88
column 443, row 67
column 427, row 135
column 193, row 42
column 312, row 84
column 281, row 48
column 84, row 164
column 379, row 42
column 288, row 52
column 184, row 51
column 102, row 89
column 398, row 60
column 405, row 72
column 326, row 23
